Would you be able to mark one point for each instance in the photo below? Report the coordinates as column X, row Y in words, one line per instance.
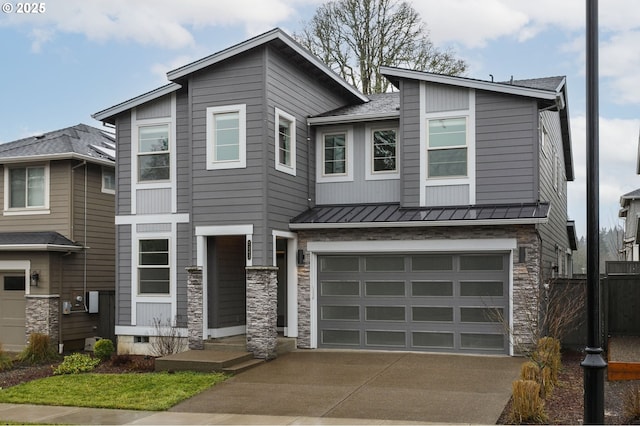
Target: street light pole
column 593, row 363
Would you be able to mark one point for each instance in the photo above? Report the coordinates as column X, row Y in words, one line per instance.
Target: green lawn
column 134, row 391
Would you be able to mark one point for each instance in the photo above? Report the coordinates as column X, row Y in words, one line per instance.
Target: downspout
column 309, row 151
column 84, row 248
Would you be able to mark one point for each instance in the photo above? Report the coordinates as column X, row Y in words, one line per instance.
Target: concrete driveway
column 368, row 385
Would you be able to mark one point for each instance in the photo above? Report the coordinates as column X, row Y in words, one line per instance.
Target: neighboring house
column 630, row 212
column 258, row 191
column 57, row 235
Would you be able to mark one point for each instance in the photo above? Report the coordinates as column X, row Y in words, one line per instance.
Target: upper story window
column 335, row 155
column 154, row 270
column 447, row 148
column 108, row 180
column 385, row 158
column 26, row 189
column 226, row 137
column 154, row 161
column 285, row 125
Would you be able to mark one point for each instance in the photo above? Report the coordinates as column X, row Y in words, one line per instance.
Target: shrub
column 530, row 371
column 548, row 352
column 103, row 349
column 5, row 360
column 39, row 350
column 631, row 404
column 527, row 405
column 76, row 363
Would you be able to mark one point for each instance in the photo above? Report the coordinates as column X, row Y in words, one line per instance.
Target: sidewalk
column 24, row 413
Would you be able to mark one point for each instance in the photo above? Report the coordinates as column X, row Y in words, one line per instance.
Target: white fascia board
column 419, row 224
column 59, row 156
column 134, row 102
column 341, row 119
column 39, row 247
column 152, row 218
column 255, row 42
column 387, row 246
column 469, row 83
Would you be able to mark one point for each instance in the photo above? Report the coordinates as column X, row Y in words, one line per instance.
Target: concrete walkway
column 327, row 387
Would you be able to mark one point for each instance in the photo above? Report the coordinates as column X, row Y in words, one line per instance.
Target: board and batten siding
column 554, row 232
column 506, row 141
column 359, row 190
column 410, row 118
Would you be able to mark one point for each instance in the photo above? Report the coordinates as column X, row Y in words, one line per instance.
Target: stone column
column 262, row 312
column 195, row 307
column 43, row 316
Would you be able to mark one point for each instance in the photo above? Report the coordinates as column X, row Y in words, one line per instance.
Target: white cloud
column 160, row 69
column 620, row 60
column 163, row 23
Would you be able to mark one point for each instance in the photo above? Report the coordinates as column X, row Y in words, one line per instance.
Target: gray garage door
column 418, row 302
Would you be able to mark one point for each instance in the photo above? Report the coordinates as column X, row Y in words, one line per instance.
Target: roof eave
column 351, row 118
column 106, row 114
column 420, row 224
column 59, row 156
column 275, row 34
column 469, row 83
column 39, row 247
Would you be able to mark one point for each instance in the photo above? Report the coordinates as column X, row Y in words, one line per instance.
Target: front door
column 281, row 263
column 226, row 285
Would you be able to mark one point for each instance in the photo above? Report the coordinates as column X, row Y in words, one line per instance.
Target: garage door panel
column 428, row 303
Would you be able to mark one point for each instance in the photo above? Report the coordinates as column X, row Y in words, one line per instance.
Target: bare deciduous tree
column 356, row 37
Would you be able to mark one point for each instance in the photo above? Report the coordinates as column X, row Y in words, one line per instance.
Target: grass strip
column 132, row 391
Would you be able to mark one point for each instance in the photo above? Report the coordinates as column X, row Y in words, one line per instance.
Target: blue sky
column 81, row 56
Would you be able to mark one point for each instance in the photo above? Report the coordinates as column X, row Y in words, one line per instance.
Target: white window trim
column 369, row 151
column 134, row 163
column 470, row 115
column 281, row 167
column 544, row 136
column 344, row 177
column 292, row 278
column 135, row 282
column 241, row 163
column 171, row 183
column 105, row 189
column 24, row 211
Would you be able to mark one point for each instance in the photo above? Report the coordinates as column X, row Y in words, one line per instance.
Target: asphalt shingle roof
column 380, row 103
column 79, row 139
column 35, row 238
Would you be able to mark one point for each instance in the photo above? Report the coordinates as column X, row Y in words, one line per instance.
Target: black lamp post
column 593, row 363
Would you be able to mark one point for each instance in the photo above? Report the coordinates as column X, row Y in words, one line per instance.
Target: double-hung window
column 447, row 148
column 154, row 269
column 27, row 187
column 285, row 136
column 108, row 180
column 334, row 159
column 154, row 161
column 226, row 137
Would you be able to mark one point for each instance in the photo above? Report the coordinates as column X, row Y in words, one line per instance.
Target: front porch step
column 243, row 366
column 239, row 344
column 202, row 360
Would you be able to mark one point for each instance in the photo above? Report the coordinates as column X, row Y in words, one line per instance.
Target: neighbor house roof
column 277, row 37
column 626, row 199
column 392, row 215
column 36, row 241
column 81, row 142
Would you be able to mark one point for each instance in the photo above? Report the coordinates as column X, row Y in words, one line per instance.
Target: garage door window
column 481, row 314
column 341, row 337
column 481, row 341
column 14, row 283
column 432, row 340
column 340, row 288
column 384, row 288
column 392, row 264
column 481, row 263
column 385, row 313
column 432, row 263
column 481, row 288
column 386, row 338
column 341, row 313
column 432, row 288
column 432, row 313
column 339, row 264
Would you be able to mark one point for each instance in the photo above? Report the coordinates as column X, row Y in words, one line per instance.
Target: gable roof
column 276, row 36
column 551, row 91
column 80, row 142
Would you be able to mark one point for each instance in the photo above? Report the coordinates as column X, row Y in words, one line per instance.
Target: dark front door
column 226, row 281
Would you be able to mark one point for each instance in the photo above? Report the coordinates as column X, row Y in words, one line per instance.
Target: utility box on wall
column 93, row 302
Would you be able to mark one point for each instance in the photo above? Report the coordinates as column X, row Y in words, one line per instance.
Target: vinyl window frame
column 26, row 209
column 166, row 152
column 347, row 176
column 241, row 161
column 279, row 165
column 371, row 174
column 140, row 266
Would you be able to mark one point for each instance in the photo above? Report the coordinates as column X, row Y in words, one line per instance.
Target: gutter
column 351, row 118
column 39, row 247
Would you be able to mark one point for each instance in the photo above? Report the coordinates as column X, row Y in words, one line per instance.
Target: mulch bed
column 565, row 406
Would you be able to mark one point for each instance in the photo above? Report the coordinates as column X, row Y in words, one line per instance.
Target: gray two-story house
column 259, row 192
